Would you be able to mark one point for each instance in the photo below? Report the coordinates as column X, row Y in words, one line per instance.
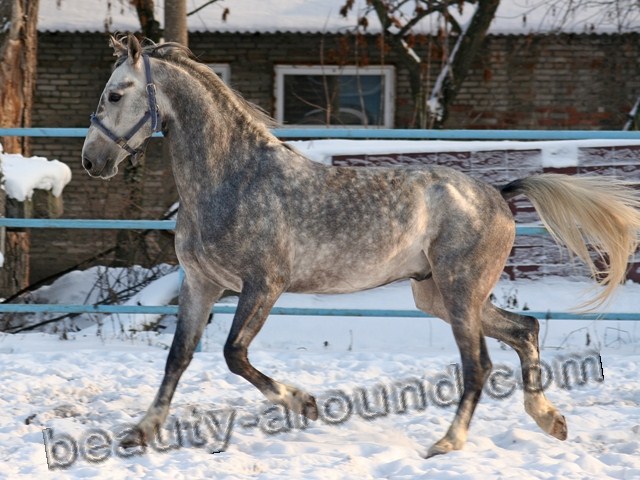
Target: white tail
column 603, row 212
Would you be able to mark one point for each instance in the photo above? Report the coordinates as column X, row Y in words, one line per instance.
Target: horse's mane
column 180, row 55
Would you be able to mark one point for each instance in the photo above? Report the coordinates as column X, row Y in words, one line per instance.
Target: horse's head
column 127, row 113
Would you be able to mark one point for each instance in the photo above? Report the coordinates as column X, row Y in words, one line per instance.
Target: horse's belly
column 339, row 276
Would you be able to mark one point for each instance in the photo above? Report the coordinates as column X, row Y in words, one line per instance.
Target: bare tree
column 175, row 19
column 225, row 11
column 18, row 47
column 148, row 22
column 399, row 19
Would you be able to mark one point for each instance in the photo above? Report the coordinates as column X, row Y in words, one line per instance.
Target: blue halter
column 152, row 114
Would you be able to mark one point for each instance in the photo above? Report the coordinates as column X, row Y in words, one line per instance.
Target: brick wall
column 559, row 82
column 551, row 82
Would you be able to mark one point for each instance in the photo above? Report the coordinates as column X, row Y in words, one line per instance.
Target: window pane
column 334, row 99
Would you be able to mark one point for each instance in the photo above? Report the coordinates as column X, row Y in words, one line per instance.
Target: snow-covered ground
column 66, row 390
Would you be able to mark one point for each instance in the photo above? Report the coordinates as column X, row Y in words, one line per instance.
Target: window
column 222, row 69
column 335, row 96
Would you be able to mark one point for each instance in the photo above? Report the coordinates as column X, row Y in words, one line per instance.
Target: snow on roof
column 23, row 175
column 270, row 16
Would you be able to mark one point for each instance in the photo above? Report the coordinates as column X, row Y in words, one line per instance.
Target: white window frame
column 387, row 71
column 223, row 70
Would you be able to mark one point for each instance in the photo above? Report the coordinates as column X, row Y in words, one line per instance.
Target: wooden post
column 14, row 274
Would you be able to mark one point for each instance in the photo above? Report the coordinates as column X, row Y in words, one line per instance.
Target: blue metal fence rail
column 286, row 311
column 146, row 224
column 372, row 133
column 291, row 133
column 87, row 224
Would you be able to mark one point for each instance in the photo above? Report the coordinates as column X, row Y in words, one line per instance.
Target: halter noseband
column 151, row 114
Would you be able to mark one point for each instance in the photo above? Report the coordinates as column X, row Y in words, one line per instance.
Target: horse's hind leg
column 466, row 260
column 521, row 333
column 197, row 296
column 253, row 309
column 460, row 304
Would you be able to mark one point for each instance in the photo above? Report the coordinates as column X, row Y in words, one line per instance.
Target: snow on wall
column 23, row 175
column 553, row 154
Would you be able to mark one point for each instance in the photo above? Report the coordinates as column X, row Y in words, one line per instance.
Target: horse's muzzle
column 97, row 168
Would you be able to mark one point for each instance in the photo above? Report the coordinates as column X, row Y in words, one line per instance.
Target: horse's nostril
column 86, row 163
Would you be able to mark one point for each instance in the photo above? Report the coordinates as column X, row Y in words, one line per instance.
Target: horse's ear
column 134, row 49
column 119, row 48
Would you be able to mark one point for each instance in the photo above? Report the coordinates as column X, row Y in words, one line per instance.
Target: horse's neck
column 210, row 137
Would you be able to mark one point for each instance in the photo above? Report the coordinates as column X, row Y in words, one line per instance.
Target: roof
column 311, row 16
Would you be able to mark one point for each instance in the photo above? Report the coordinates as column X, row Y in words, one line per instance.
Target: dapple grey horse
column 259, row 218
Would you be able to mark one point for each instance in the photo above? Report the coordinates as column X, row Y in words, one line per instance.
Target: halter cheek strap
column 152, row 114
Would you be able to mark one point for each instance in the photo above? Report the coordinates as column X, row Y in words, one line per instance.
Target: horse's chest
column 210, row 253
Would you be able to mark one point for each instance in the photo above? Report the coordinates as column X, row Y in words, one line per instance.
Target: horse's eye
column 114, row 97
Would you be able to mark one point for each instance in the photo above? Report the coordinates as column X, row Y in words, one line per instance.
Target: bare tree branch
column 633, row 122
column 465, row 51
column 206, row 4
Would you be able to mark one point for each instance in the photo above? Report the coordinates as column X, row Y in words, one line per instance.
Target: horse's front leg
column 197, row 296
column 253, row 309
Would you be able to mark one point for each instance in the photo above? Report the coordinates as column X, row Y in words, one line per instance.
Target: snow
column 512, row 17
column 23, row 175
column 560, row 153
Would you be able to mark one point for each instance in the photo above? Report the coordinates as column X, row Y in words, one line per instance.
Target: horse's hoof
column 310, row 408
column 444, row 445
column 296, row 400
column 547, row 417
column 304, row 404
column 558, row 428
column 135, row 437
column 439, row 448
column 553, row 423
